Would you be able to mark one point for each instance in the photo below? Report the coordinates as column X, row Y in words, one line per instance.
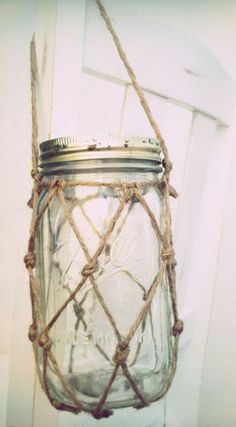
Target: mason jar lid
column 78, row 151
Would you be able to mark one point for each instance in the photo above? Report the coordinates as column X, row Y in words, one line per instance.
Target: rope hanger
column 39, row 332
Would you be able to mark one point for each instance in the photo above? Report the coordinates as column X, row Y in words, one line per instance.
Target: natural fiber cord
column 39, row 332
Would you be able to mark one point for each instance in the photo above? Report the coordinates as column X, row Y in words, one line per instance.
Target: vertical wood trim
column 44, row 414
column 45, row 50
column 215, row 407
column 22, row 371
column 68, row 67
column 165, row 61
column 197, row 251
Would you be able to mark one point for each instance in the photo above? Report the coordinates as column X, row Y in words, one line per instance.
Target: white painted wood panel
column 218, row 393
column 44, row 413
column 165, row 60
column 175, row 124
column 198, row 238
column 100, row 106
column 67, row 67
column 201, row 145
column 135, row 121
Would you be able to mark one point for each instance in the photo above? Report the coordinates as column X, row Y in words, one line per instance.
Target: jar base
column 88, row 388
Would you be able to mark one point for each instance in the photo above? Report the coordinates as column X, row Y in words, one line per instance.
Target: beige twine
column 38, row 331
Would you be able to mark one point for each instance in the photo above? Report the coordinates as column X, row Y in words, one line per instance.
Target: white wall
column 17, row 24
column 202, row 20
column 17, row 21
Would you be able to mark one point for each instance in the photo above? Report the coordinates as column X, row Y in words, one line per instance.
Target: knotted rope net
column 39, row 332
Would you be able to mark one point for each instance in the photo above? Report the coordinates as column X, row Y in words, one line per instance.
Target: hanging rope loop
column 30, row 259
column 139, row 91
column 127, row 192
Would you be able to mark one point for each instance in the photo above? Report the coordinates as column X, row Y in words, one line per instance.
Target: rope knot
column 45, row 341
column 35, row 174
column 121, row 353
column 178, row 327
column 59, row 184
column 167, row 253
column 30, row 201
column 167, row 165
column 141, row 405
column 30, row 259
column 101, row 413
column 32, row 334
column 89, row 268
column 136, row 192
column 162, row 185
column 145, row 295
column 172, row 192
column 128, row 193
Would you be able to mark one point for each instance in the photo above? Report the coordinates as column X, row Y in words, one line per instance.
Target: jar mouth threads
column 99, row 152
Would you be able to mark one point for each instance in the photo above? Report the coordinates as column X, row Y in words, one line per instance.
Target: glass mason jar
column 83, row 337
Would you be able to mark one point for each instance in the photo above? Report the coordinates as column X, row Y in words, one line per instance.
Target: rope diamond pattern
column 57, row 189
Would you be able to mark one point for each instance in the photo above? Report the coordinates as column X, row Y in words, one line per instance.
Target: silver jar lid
column 65, row 152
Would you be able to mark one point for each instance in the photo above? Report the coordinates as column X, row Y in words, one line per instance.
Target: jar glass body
column 83, row 337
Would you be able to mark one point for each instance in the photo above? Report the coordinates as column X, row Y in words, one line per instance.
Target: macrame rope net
column 39, row 332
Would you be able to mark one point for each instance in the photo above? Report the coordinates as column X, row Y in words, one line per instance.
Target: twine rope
column 136, row 85
column 39, row 331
